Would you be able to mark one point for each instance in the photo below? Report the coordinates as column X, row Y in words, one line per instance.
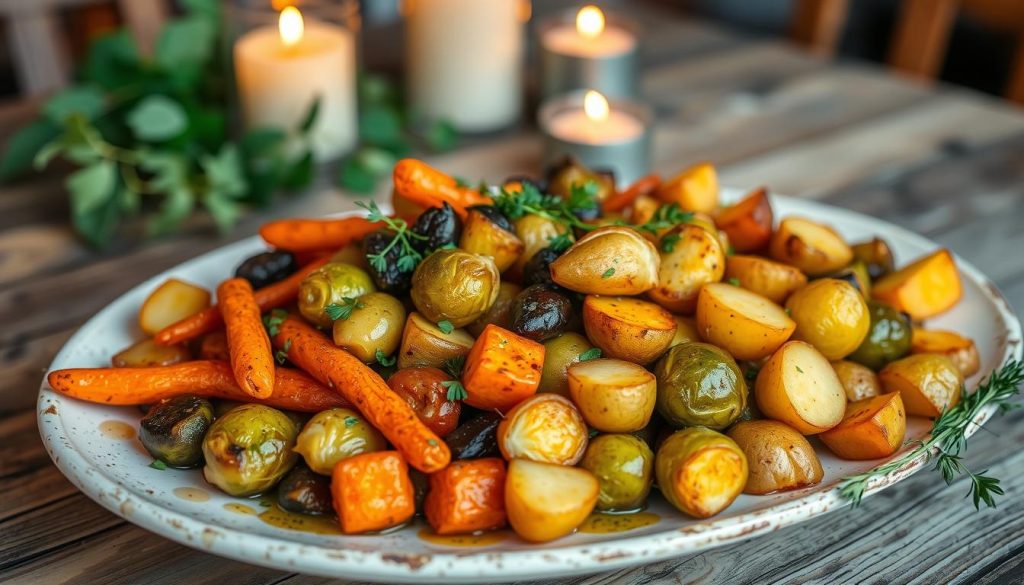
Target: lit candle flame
column 290, row 25
column 590, row 22
column 595, row 106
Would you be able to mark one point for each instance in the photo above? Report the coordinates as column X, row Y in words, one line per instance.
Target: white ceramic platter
column 115, row 473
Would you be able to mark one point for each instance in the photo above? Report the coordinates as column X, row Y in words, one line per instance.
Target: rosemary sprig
column 948, row 440
column 408, row 256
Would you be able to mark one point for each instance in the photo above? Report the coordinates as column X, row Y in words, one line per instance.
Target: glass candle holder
column 588, row 49
column 613, row 135
column 288, row 56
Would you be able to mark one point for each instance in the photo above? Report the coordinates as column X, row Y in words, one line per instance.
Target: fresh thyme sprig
column 948, row 440
column 408, row 256
column 453, row 366
column 530, row 200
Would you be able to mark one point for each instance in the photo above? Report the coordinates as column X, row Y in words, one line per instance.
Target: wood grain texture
column 946, row 163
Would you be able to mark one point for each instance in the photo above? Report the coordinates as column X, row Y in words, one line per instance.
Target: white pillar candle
column 281, row 71
column 465, row 61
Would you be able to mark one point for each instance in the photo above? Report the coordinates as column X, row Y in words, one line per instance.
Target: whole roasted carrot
column 301, row 235
column 252, row 360
column 269, row 297
column 367, row 391
column 622, row 199
column 420, row 183
column 293, row 389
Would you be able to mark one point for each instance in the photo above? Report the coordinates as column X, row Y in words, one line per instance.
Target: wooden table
column 944, row 162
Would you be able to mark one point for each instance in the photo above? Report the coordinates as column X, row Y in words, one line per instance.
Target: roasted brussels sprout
column 267, row 268
column 455, row 286
column 440, row 226
column 876, row 256
column 475, row 438
column 500, row 313
column 538, row 269
column 330, row 284
column 700, row 385
column 249, row 449
column 888, row 338
column 391, row 279
column 488, row 232
column 375, row 325
column 560, row 353
column 172, row 430
column 333, row 435
column 305, row 492
column 700, row 471
column 624, row 466
column 539, row 313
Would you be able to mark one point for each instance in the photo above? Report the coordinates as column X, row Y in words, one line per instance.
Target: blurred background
column 972, row 43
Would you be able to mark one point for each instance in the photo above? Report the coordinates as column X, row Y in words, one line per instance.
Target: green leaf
column 24, row 145
column 311, row 115
column 113, row 61
column 85, row 100
column 445, row 326
column 157, row 118
column 591, row 354
column 608, row 273
column 383, row 359
column 176, row 207
column 734, row 281
column 209, row 9
column 185, row 42
column 380, row 125
column 95, row 206
column 262, row 141
column 169, row 170
column 300, row 174
column 158, row 465
column 224, row 173
column 456, row 391
column 354, row 176
column 224, row 210
column 441, row 135
column 376, row 161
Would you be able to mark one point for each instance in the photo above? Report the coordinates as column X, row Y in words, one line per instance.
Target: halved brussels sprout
column 700, row 471
column 455, row 286
column 331, row 284
column 624, row 467
column 172, row 430
column 700, row 385
column 888, row 338
column 249, row 449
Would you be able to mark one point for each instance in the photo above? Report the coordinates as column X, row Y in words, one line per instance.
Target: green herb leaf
column 272, row 321
column 384, row 360
column 157, row 118
column 445, row 326
column 668, row 243
column 456, row 391
column 734, row 281
column 342, row 310
column 87, row 101
column 351, row 421
column 441, row 135
column 591, row 354
column 300, row 174
column 561, row 242
column 282, row 354
column 94, row 205
column 667, row 216
column 354, row 176
column 113, row 61
column 185, row 43
column 608, row 273
column 380, row 125
column 799, row 369
column 158, row 465
column 24, row 145
column 408, row 255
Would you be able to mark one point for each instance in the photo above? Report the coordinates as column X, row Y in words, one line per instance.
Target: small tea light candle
column 599, row 134
column 588, row 53
column 281, row 71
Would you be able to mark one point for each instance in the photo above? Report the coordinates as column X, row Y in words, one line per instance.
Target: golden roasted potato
column 858, row 380
column 772, row 280
column 686, row 330
column 956, row 347
column 544, row 427
column 614, row 396
column 924, row 288
column 536, row 233
column 171, row 302
column 148, row 353
column 830, row 315
column 691, row 257
column 779, row 457
column 628, row 329
column 799, row 387
column 695, row 189
column 483, row 235
column 560, row 353
column 928, row 383
column 544, row 501
column 700, row 471
column 612, row 260
column 744, row 323
column 423, row 344
column 872, row 428
column 812, row 247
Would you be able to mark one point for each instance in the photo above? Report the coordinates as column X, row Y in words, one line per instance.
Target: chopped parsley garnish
column 668, row 243
column 384, row 360
column 272, row 321
column 591, row 354
column 158, row 465
column 734, row 281
column 608, row 273
column 282, row 354
column 342, row 310
column 445, row 326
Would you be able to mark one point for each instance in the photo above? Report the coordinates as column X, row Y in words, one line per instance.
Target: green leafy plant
column 948, row 440
column 148, row 135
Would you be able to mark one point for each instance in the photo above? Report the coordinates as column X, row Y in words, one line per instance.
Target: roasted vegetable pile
column 540, row 349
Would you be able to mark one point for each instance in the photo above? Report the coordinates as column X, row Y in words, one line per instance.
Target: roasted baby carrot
column 642, row 186
column 387, row 411
column 420, row 183
column 301, row 235
column 467, row 496
column 372, row 491
column 270, row 297
column 293, row 390
column 252, row 360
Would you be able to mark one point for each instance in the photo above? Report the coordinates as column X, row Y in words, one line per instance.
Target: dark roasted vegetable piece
column 856, row 275
column 440, row 226
column 495, row 216
column 475, row 438
column 172, row 430
column 888, row 338
column 538, row 183
column 390, row 280
column 249, row 449
column 538, row 268
column 540, row 313
column 877, row 256
column 267, row 268
column 305, row 492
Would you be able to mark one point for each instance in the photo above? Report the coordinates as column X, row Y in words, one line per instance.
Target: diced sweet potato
column 502, row 369
column 924, row 288
column 872, row 428
column 467, row 496
column 372, row 491
column 695, row 189
column 956, row 347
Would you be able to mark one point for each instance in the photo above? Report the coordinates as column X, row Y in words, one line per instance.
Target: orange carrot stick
column 248, row 343
column 269, row 297
column 367, row 391
column 420, row 183
column 621, row 200
column 300, row 235
column 293, row 389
